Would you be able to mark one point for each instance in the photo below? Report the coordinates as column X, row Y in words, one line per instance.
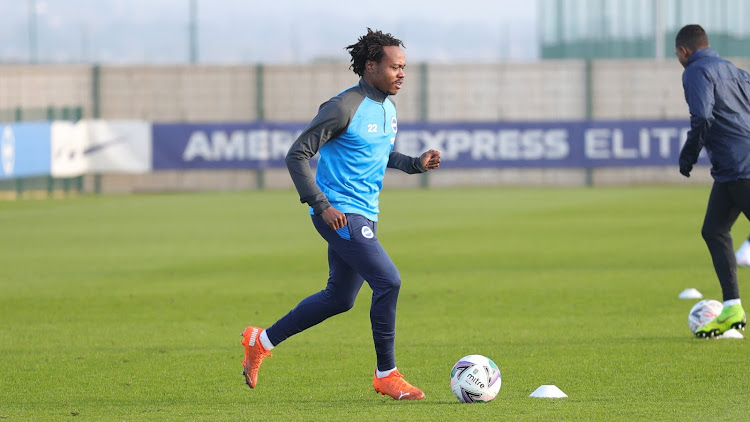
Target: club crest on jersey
column 367, row 232
column 394, row 124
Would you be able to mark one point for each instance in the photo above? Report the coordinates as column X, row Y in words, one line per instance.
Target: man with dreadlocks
column 354, row 132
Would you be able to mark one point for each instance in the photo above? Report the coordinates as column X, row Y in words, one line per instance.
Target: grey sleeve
column 332, row 120
column 405, row 163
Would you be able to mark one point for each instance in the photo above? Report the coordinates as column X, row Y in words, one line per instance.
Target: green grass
column 130, row 308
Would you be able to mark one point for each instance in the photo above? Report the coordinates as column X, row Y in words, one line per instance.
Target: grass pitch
column 130, row 308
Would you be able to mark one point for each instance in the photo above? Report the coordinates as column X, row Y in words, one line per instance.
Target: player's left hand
column 430, row 159
column 685, row 168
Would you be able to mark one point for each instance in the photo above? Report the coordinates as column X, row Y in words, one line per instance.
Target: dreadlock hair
column 691, row 37
column 370, row 47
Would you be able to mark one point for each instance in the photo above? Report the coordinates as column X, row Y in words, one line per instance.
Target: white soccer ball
column 703, row 312
column 475, row 378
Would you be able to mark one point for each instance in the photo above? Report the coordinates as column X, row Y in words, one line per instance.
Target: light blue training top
column 355, row 133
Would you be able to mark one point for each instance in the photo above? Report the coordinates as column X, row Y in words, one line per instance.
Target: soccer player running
column 718, row 97
column 354, row 132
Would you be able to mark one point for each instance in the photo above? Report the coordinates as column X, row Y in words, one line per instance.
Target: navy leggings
column 354, row 255
column 725, row 203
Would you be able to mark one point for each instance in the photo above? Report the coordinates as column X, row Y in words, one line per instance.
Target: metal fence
column 616, row 29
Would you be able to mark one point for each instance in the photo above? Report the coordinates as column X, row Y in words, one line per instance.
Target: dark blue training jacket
column 718, row 96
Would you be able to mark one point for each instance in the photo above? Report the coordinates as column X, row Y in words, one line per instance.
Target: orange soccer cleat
column 254, row 354
column 397, row 387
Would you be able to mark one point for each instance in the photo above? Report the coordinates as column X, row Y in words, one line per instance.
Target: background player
column 717, row 96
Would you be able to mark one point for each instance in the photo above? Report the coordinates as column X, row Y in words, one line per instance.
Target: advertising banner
column 222, row 146
column 585, row 144
column 580, row 144
column 100, row 146
column 24, row 150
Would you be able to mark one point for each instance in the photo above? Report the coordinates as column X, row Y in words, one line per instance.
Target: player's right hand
column 334, row 218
